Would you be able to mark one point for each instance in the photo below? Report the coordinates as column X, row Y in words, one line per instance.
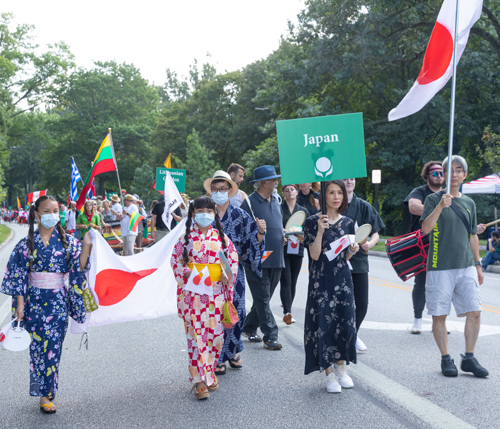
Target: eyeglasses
column 457, row 172
column 437, row 174
column 219, row 189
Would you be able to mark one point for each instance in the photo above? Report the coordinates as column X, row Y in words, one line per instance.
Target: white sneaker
column 341, row 372
column 332, row 384
column 293, row 320
column 417, row 327
column 360, row 345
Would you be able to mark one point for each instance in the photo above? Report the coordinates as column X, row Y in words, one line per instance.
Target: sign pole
column 323, row 198
column 452, row 113
column 116, row 163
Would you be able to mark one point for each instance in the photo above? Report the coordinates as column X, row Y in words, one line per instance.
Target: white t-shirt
column 126, row 220
column 70, row 220
column 117, row 207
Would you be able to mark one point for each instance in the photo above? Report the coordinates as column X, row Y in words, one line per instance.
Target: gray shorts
column 460, row 286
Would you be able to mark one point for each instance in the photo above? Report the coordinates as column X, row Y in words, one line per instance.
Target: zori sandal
column 236, row 362
column 46, row 409
column 201, row 393
column 215, row 385
column 220, row 369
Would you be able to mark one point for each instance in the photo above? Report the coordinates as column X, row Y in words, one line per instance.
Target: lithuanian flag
column 104, row 161
column 135, row 218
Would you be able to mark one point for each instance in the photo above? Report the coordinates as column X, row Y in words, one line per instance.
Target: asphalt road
column 135, row 374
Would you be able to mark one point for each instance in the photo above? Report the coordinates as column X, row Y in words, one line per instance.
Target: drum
column 408, row 254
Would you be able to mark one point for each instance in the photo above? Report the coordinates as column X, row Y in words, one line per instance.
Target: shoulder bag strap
column 461, row 216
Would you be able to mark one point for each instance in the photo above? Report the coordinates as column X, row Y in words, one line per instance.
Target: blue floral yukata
column 330, row 322
column 46, row 311
column 242, row 231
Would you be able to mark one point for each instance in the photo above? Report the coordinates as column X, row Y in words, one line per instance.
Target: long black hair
column 31, row 220
column 202, row 202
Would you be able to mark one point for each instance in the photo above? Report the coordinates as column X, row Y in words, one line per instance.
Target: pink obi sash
column 48, row 280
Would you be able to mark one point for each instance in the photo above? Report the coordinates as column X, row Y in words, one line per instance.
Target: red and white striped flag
column 35, row 195
column 438, row 61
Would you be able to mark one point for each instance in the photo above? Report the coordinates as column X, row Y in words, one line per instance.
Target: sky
column 155, row 35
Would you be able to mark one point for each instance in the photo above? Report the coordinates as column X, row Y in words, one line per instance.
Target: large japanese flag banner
column 438, row 61
column 135, row 287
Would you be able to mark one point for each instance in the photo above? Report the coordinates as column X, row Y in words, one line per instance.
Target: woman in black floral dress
column 330, row 328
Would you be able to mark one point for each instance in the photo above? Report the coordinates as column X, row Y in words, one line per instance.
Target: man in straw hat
column 262, row 204
column 127, row 235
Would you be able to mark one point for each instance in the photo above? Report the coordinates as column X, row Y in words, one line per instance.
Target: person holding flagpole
column 35, row 277
column 201, row 308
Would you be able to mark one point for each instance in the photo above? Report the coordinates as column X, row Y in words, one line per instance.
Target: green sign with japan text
column 178, row 176
column 322, row 148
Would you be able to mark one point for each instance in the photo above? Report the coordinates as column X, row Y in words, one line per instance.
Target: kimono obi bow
column 48, row 280
column 214, row 270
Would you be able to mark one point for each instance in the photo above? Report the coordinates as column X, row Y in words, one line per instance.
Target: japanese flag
column 438, row 61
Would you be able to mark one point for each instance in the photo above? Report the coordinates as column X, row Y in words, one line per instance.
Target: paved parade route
column 135, row 374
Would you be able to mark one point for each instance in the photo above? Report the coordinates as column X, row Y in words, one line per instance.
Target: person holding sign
column 198, row 251
column 361, row 212
column 329, row 328
column 294, row 253
column 247, row 235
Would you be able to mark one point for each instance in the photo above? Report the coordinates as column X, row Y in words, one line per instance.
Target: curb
column 490, row 269
column 10, row 237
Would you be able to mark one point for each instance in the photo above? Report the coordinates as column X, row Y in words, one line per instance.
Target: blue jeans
column 490, row 258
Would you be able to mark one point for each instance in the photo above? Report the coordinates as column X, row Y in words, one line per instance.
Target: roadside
column 6, row 234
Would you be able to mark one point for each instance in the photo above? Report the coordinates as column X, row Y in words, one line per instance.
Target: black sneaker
column 253, row 338
column 272, row 345
column 472, row 365
column 448, row 368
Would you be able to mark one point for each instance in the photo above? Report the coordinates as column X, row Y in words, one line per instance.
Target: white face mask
column 49, row 220
column 220, row 198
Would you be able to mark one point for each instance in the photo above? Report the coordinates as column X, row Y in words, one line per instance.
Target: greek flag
column 75, row 178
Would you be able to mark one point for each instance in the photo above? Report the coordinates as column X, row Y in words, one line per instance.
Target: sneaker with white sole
column 417, row 326
column 343, row 378
column 360, row 345
column 332, row 384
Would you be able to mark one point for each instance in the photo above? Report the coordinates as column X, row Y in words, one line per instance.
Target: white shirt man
column 116, row 208
column 71, row 218
column 128, row 236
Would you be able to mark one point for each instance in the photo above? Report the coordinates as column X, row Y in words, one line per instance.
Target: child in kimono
column 35, row 277
column 202, row 314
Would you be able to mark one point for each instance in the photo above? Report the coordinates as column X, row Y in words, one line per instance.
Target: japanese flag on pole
column 136, row 287
column 172, row 199
column 438, row 61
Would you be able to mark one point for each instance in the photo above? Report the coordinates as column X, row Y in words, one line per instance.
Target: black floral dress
column 330, row 328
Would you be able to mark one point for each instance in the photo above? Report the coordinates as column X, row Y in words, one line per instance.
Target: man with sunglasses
column 432, row 173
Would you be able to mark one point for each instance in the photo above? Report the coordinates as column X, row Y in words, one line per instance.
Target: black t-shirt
column 305, row 201
column 420, row 193
column 158, row 211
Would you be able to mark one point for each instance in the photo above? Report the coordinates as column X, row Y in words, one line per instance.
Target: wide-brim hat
column 221, row 175
column 115, row 198
column 129, row 197
column 266, row 172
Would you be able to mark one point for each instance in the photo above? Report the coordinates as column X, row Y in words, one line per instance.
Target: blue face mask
column 49, row 220
column 220, row 198
column 204, row 219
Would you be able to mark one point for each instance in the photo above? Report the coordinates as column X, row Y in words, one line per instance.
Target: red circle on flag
column 438, row 55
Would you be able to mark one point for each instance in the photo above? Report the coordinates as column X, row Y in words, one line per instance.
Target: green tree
column 144, row 177
column 199, row 165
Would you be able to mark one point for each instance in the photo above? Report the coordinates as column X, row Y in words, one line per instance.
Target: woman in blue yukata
column 35, row 278
column 247, row 236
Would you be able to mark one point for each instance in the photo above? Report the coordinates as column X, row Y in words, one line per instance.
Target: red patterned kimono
column 202, row 314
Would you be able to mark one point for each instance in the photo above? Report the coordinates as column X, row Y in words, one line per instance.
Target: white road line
column 425, row 410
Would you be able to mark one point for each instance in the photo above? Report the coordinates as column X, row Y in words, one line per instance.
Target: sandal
column 201, row 393
column 220, row 369
column 233, row 363
column 46, row 409
column 215, row 385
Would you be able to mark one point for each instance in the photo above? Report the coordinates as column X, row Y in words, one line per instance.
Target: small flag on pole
column 18, row 204
column 168, row 162
column 75, row 178
column 33, row 196
column 135, row 218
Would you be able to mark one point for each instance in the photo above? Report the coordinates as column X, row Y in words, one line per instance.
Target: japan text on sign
column 178, row 176
column 322, row 148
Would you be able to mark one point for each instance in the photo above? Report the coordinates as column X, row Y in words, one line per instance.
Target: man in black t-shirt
column 432, row 173
column 161, row 229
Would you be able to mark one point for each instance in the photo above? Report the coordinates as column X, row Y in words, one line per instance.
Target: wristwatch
column 477, row 263
column 264, row 233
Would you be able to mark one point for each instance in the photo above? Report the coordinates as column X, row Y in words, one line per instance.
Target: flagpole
column 452, row 112
column 116, row 163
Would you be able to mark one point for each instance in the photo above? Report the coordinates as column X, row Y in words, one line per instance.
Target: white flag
column 172, row 200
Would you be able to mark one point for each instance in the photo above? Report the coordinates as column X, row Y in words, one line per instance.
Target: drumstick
column 492, row 223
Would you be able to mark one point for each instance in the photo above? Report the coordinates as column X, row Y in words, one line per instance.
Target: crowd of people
column 241, row 239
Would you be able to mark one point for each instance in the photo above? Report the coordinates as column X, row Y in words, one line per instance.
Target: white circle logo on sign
column 323, row 167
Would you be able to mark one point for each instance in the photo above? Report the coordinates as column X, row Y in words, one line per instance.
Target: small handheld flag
column 135, row 218
column 75, row 178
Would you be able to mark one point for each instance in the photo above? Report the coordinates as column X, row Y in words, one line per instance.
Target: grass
column 4, row 233
column 380, row 246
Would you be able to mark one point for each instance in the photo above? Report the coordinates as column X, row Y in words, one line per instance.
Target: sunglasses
column 437, row 174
